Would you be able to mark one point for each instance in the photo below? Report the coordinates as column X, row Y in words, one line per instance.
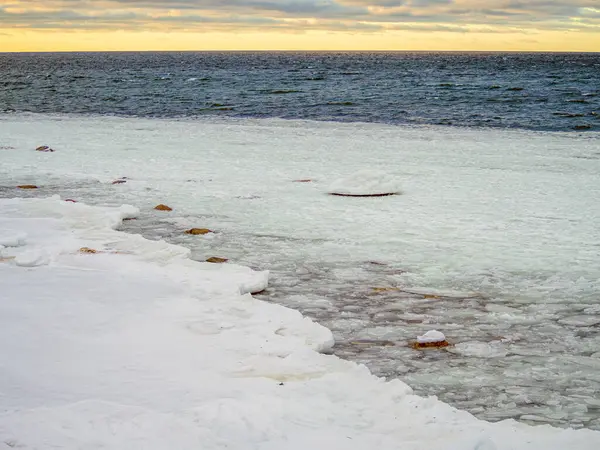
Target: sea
column 494, row 239
column 536, row 91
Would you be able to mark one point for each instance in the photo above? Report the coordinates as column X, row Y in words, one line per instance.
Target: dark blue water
column 515, row 90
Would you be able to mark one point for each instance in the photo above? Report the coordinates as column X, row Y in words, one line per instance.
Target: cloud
column 302, row 15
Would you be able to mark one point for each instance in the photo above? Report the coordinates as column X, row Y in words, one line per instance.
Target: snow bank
column 139, row 347
column 365, row 183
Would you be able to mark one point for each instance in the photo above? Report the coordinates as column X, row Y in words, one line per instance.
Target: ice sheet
column 495, row 237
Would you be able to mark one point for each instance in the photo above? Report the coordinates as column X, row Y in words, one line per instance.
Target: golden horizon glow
column 548, row 41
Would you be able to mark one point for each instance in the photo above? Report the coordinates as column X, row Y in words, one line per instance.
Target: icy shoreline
column 140, row 346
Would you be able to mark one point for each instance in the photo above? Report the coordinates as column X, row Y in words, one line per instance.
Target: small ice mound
column 242, row 279
column 480, row 349
column 254, row 282
column 310, row 334
column 365, row 183
column 32, row 258
column 431, row 336
column 12, row 240
column 128, row 212
column 431, row 339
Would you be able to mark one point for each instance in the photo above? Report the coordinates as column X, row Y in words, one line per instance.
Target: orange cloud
column 300, row 24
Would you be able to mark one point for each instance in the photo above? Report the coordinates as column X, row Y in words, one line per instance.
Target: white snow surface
column 140, row 347
column 431, row 336
column 366, row 182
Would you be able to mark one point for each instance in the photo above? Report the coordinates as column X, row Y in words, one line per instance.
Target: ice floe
column 365, row 183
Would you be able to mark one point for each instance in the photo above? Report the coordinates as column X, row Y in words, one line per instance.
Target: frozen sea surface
column 137, row 346
column 494, row 240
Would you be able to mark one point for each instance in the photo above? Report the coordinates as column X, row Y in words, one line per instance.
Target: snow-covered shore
column 138, row 347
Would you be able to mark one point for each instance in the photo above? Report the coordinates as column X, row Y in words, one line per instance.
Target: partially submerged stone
column 365, row 183
column 305, row 180
column 87, row 250
column 431, row 339
column 217, row 260
column 44, row 148
column 162, row 207
column 119, row 182
column 27, row 186
column 70, row 200
column 386, row 194
column 198, row 231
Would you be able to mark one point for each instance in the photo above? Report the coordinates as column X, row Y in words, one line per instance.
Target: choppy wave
column 478, row 90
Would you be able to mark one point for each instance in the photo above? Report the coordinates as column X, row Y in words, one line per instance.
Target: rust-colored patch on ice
column 429, row 345
column 88, row 250
column 385, row 289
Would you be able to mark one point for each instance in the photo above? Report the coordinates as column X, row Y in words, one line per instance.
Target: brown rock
column 216, row 260
column 429, row 345
column 87, row 250
column 119, row 181
column 431, row 296
column 70, row 200
column 197, row 231
column 27, row 186
column 162, row 207
column 44, row 148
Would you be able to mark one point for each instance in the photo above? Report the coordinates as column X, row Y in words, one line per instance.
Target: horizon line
column 300, row 51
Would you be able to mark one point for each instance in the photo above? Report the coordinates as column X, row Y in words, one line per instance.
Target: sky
column 97, row 25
